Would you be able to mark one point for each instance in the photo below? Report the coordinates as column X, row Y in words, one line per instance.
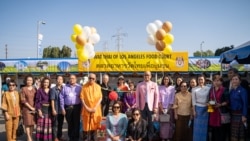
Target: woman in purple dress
column 166, row 101
column 129, row 98
column 44, row 124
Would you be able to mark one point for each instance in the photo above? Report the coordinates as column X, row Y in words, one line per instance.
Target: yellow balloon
column 167, row 49
column 82, row 56
column 73, row 38
column 168, row 39
column 78, row 47
column 77, row 29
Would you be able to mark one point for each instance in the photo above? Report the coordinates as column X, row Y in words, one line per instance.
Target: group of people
column 183, row 110
column 188, row 110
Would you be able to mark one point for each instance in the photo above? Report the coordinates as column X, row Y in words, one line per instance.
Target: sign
column 136, row 61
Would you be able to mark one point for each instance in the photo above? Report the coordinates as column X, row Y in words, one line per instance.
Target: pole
column 6, row 51
column 202, row 65
column 38, row 32
column 37, row 38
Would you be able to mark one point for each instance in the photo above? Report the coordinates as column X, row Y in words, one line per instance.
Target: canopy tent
column 241, row 54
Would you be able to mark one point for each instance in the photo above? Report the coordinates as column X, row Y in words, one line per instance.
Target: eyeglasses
column 116, row 107
column 136, row 114
column 91, row 78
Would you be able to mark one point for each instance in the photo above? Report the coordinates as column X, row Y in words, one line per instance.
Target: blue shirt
column 70, row 95
column 238, row 100
column 55, row 95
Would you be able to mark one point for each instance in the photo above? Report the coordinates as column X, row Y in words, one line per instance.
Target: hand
column 54, row 113
column 244, row 119
column 176, row 116
column 7, row 117
column 93, row 110
column 116, row 138
column 63, row 112
column 32, row 109
column 155, row 110
column 194, row 114
column 218, row 105
column 40, row 114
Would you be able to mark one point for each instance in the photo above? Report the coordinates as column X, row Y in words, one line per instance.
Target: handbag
column 20, row 129
column 225, row 118
column 164, row 118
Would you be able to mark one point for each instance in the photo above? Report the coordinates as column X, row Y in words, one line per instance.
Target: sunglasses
column 136, row 114
column 91, row 78
column 116, row 107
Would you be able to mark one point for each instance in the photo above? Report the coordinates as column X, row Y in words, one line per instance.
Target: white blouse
column 200, row 96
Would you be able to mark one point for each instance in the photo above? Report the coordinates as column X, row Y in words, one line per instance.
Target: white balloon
column 151, row 39
column 158, row 24
column 88, row 48
column 151, row 28
column 94, row 38
column 92, row 55
column 87, row 31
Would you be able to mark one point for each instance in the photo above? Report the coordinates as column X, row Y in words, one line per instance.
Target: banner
column 37, row 65
column 120, row 62
column 136, row 61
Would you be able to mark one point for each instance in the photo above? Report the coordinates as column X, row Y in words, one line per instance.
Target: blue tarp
column 241, row 54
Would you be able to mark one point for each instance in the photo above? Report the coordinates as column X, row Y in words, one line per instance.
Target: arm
column 108, row 126
column 52, row 98
column 175, row 108
column 156, row 97
column 24, row 101
column 243, row 97
column 5, row 107
column 38, row 104
column 193, row 102
column 137, row 93
column 124, row 125
column 83, row 102
column 62, row 97
column 144, row 130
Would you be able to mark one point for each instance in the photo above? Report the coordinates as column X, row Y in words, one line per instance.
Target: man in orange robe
column 91, row 97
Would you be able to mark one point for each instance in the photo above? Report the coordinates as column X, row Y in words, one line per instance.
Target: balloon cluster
column 85, row 38
column 159, row 35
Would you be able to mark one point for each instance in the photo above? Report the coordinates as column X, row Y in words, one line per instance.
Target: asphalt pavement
column 23, row 138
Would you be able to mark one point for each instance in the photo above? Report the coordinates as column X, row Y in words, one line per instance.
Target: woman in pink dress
column 220, row 96
column 166, row 101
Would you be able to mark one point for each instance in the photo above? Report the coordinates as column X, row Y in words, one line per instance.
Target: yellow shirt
column 183, row 103
column 11, row 103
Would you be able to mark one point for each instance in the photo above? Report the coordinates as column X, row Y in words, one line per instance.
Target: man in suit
column 147, row 95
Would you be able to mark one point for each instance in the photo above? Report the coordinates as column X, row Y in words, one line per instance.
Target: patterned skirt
column 44, row 126
column 237, row 127
column 200, row 124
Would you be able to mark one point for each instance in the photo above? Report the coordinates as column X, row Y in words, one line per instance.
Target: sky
column 218, row 23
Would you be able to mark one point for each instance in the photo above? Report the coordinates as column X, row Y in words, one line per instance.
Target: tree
column 204, row 53
column 65, row 52
column 219, row 51
column 55, row 52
